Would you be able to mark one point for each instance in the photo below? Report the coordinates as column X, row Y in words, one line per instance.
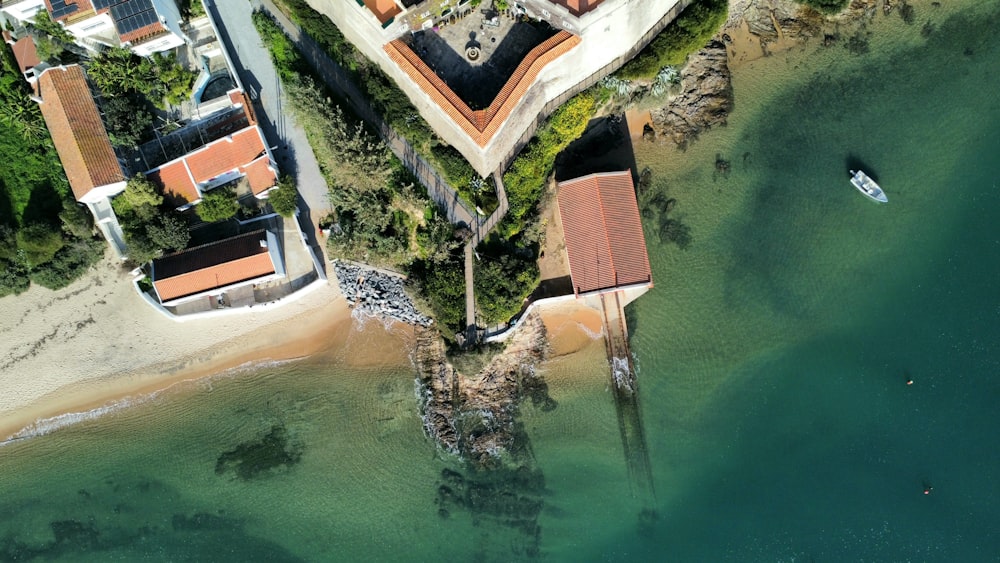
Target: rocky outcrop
column 774, row 19
column 705, row 100
column 474, row 417
column 496, row 479
column 377, row 294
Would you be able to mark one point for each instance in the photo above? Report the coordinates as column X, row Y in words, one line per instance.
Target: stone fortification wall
column 608, row 33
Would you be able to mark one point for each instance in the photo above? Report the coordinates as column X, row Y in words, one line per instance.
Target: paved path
column 340, row 82
column 259, row 78
column 471, row 332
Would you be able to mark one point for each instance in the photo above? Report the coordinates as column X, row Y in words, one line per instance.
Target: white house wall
column 23, row 11
column 158, row 44
column 100, row 24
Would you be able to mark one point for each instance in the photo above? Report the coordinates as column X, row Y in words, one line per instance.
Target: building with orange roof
column 74, row 122
column 242, row 154
column 26, row 56
column 597, row 37
column 209, row 270
column 605, row 245
column 94, row 172
column 145, row 26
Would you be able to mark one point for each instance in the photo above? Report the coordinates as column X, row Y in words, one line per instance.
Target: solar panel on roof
column 60, row 8
column 101, row 4
column 131, row 15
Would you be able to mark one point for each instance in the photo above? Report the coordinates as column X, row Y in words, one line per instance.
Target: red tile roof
column 578, row 7
column 384, row 10
column 143, row 33
column 239, row 98
column 175, row 182
column 481, row 125
column 78, row 6
column 25, row 53
column 77, row 130
column 604, row 240
column 225, row 154
column 212, row 266
column 260, row 175
column 242, row 151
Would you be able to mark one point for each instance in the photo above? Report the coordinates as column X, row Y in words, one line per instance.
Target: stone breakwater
column 376, row 293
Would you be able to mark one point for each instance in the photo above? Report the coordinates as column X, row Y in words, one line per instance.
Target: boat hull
column 868, row 187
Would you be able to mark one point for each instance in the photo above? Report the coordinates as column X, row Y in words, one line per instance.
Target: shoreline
column 572, row 326
column 95, row 342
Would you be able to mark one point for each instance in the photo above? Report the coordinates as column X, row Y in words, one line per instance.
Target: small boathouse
column 609, row 268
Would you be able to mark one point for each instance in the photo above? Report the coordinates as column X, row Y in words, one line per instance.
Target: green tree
column 169, row 232
column 117, row 70
column 217, row 205
column 284, row 199
column 45, row 24
column 127, row 120
column 76, row 220
column 141, row 199
column 40, row 242
column 175, row 80
column 13, row 277
column 71, row 262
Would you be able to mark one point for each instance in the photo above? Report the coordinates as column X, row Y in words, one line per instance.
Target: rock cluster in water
column 377, row 293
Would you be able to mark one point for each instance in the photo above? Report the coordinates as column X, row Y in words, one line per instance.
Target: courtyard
column 475, row 54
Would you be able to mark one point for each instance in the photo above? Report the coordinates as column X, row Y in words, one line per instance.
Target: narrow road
column 260, row 80
column 339, row 81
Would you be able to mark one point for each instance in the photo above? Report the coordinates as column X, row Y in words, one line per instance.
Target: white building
column 145, row 26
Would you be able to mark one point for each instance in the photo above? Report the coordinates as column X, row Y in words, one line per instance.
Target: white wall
column 158, row 44
column 100, row 24
column 23, row 11
column 607, row 33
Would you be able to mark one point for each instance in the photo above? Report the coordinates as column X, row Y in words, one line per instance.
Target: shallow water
column 773, row 355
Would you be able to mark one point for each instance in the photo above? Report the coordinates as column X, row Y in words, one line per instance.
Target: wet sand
column 97, row 341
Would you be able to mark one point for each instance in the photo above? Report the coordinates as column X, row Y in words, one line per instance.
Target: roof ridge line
column 607, row 241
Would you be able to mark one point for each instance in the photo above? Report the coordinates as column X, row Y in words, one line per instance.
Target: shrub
column 443, row 285
column 40, row 242
column 526, row 177
column 683, row 36
column 284, row 198
column 13, row 277
column 503, row 281
column 71, row 262
column 127, row 119
column 217, row 205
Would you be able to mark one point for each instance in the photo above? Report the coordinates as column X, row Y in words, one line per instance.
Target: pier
column 624, row 388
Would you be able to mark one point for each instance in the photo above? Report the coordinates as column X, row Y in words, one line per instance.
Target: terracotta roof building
column 215, row 267
column 604, row 240
column 243, row 153
column 25, row 54
column 481, row 125
column 78, row 134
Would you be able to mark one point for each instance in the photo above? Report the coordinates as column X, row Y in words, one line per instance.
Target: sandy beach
column 78, row 348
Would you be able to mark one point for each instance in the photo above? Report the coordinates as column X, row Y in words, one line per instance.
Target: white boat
column 867, row 186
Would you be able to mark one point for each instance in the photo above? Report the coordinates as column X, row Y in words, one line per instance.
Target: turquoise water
column 773, row 355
